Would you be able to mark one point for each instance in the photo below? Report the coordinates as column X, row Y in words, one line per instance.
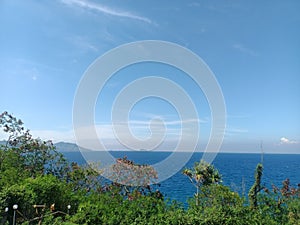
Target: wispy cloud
column 137, row 134
column 236, row 130
column 244, row 49
column 21, row 69
column 82, row 43
column 223, row 7
column 53, row 135
column 106, row 10
column 29, row 69
column 231, row 131
column 169, row 119
column 169, row 132
column 238, row 116
column 169, row 122
column 284, row 140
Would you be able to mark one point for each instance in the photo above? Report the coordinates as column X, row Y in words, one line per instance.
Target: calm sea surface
column 237, row 170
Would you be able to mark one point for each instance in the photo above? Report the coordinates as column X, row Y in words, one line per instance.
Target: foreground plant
column 202, row 174
column 256, row 187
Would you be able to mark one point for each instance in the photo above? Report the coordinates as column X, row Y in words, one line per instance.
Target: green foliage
column 281, row 204
column 33, row 173
column 256, row 188
column 35, row 157
column 12, row 168
column 44, row 190
column 204, row 174
column 82, row 178
column 217, row 205
column 111, row 208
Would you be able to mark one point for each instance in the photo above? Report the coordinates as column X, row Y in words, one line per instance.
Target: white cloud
column 231, row 132
column 54, row 135
column 22, row 68
column 244, row 49
column 82, row 43
column 194, row 4
column 169, row 119
column 238, row 116
column 135, row 132
column 236, row 130
column 105, row 10
column 165, row 135
column 284, row 140
column 168, row 122
column 3, row 135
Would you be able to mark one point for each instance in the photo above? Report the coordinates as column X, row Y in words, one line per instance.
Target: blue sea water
column 237, row 170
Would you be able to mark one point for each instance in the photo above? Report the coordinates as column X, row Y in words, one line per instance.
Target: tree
column 35, row 156
column 256, row 187
column 83, row 178
column 130, row 178
column 128, row 173
column 202, row 173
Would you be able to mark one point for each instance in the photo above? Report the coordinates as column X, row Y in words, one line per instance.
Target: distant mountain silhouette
column 62, row 147
column 68, row 147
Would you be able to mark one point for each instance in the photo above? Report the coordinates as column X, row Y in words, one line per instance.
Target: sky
column 252, row 48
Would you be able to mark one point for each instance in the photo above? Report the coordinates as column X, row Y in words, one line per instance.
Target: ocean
column 237, row 170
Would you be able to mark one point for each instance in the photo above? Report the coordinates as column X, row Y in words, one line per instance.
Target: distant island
column 68, row 147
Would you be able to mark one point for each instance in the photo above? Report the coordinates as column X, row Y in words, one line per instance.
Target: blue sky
column 252, row 47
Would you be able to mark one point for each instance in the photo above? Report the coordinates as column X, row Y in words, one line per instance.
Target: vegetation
column 50, row 190
column 256, row 188
column 204, row 174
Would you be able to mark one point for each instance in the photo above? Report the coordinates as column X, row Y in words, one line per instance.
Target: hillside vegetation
column 50, row 190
